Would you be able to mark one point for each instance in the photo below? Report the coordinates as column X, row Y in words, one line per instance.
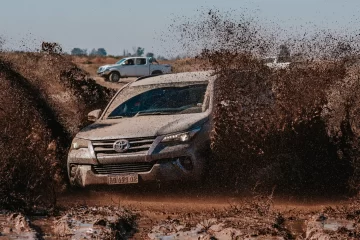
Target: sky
column 118, row 24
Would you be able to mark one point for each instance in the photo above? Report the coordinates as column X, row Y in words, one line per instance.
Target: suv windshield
column 158, row 100
column 120, row 61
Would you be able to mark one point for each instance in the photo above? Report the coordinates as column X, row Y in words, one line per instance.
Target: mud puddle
column 16, row 226
column 74, row 223
column 240, row 221
column 253, row 228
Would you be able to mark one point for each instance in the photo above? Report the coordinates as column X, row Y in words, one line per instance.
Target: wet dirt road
column 156, row 207
column 176, row 200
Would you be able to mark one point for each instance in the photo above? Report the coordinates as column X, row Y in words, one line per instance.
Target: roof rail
column 148, row 76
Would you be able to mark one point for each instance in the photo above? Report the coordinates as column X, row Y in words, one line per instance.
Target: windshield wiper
column 152, row 113
column 115, row 117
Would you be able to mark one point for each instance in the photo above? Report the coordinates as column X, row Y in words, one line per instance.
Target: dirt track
column 161, row 207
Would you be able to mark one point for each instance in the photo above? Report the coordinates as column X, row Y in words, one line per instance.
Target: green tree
column 98, row 52
column 78, row 51
column 150, row 54
column 138, row 51
column 101, row 52
column 93, row 52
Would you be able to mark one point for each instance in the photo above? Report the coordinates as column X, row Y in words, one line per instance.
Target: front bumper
column 170, row 170
column 104, row 73
column 166, row 164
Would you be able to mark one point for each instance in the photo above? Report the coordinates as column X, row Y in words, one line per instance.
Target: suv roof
column 175, row 78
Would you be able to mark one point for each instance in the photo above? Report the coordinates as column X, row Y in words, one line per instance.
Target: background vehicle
column 133, row 67
column 273, row 62
column 154, row 129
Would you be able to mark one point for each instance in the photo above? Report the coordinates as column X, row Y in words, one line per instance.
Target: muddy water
column 150, row 196
column 296, row 227
column 72, row 223
column 160, row 210
column 186, row 216
column 336, row 224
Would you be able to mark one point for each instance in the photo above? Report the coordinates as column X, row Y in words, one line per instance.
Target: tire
column 157, row 72
column 114, row 77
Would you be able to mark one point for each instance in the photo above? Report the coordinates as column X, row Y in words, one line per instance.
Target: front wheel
column 114, row 77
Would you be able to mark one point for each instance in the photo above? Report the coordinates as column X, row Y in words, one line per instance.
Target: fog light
column 186, row 163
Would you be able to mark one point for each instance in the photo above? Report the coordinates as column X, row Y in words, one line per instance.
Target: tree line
column 137, row 52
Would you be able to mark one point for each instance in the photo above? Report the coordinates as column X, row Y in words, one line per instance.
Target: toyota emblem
column 121, row 145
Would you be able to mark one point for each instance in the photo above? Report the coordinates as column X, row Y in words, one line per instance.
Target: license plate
column 123, row 179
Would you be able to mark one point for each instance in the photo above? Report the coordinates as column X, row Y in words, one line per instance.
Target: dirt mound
column 68, row 89
column 44, row 102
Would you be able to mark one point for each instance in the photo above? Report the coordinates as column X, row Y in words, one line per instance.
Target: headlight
column 79, row 143
column 180, row 137
column 103, row 69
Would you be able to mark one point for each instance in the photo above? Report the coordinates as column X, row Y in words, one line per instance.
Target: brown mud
column 156, row 215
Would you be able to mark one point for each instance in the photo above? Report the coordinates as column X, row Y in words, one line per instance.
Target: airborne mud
column 293, row 127
column 281, row 136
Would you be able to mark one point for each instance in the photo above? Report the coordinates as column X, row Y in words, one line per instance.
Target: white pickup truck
column 273, row 62
column 133, row 67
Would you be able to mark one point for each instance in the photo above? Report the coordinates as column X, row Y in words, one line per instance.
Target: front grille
column 122, row 168
column 137, row 145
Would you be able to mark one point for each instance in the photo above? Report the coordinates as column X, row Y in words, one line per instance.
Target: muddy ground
column 157, row 212
column 135, row 212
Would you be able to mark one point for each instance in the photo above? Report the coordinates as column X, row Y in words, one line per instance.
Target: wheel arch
column 114, row 70
column 157, row 72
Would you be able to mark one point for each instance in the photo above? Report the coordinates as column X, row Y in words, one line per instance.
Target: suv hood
column 108, row 66
column 142, row 126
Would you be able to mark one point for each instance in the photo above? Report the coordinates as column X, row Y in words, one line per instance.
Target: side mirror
column 94, row 115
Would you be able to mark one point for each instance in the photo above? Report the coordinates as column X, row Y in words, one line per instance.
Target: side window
column 140, row 61
column 129, row 62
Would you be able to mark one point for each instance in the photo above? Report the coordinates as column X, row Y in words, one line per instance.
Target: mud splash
column 293, row 128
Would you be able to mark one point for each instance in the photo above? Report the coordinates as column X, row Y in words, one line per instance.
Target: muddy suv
column 154, row 129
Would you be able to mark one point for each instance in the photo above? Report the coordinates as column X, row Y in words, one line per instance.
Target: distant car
column 154, row 129
column 133, row 67
column 273, row 62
